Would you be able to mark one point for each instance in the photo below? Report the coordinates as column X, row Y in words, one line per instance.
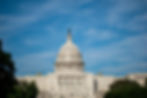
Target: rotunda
column 69, row 57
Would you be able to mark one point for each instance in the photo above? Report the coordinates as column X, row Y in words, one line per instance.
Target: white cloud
column 123, row 14
column 48, row 8
column 129, row 52
column 138, row 23
column 99, row 35
column 120, row 8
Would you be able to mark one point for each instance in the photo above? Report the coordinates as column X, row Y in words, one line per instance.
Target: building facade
column 70, row 80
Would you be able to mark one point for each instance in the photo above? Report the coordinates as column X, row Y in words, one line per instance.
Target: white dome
column 69, row 56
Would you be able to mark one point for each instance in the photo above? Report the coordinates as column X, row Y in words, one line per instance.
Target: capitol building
column 69, row 80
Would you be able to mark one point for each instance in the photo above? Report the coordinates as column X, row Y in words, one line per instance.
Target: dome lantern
column 69, row 37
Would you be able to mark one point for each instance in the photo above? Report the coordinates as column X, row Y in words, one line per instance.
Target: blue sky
column 111, row 34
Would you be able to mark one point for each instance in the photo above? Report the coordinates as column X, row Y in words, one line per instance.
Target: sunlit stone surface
column 69, row 79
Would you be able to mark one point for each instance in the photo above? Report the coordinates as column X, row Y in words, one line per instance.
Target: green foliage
column 7, row 69
column 24, row 90
column 146, row 83
column 9, row 86
column 126, row 89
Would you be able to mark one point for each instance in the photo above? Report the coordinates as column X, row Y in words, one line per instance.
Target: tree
column 7, row 69
column 9, row 86
column 24, row 90
column 126, row 89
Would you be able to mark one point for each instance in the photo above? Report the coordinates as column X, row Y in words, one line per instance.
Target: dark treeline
column 127, row 89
